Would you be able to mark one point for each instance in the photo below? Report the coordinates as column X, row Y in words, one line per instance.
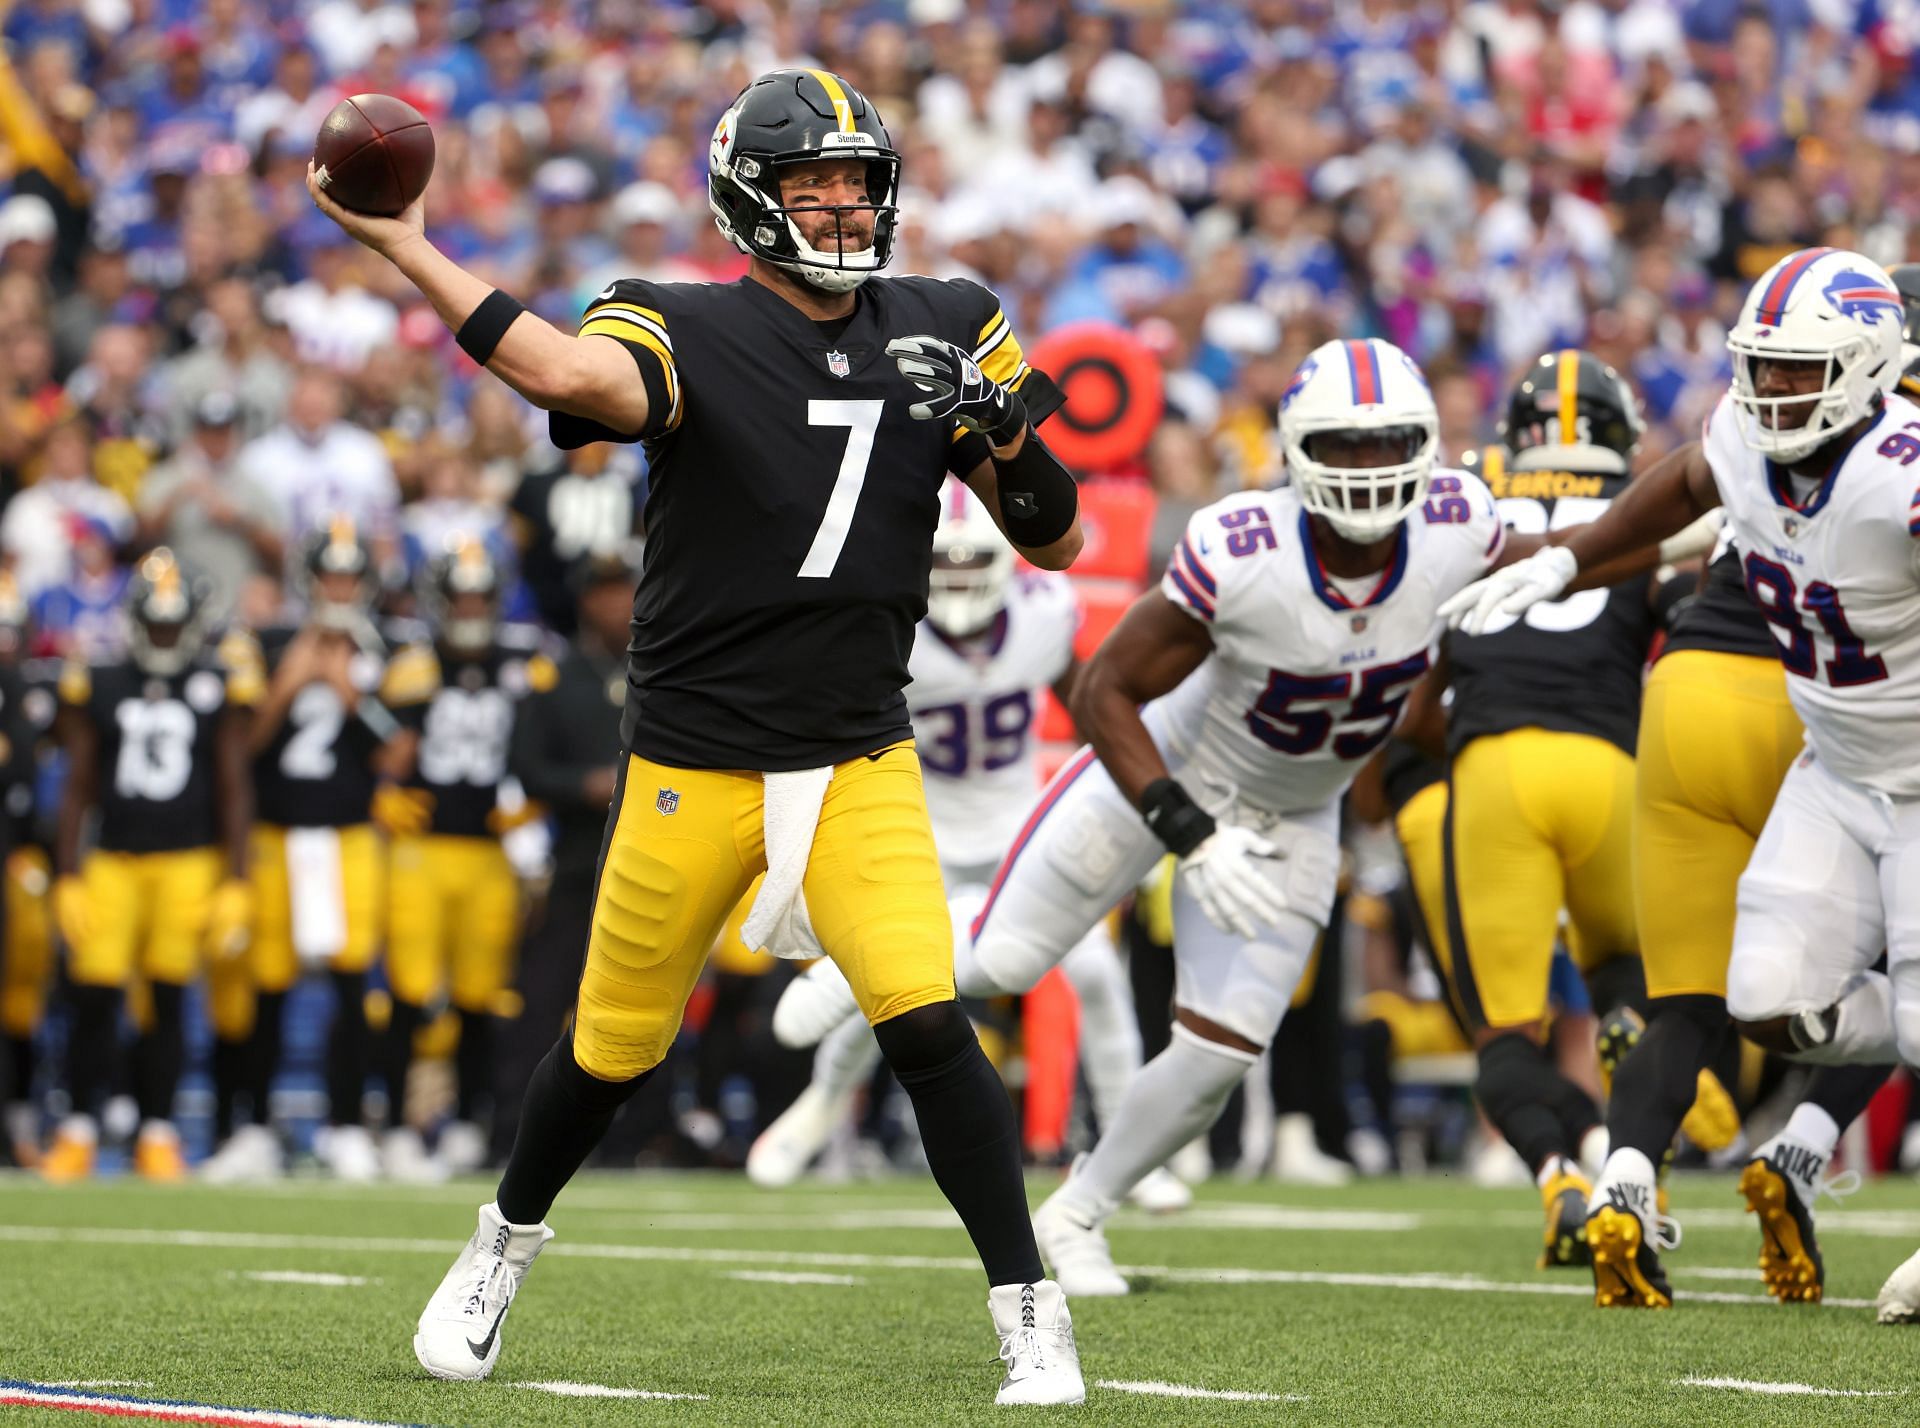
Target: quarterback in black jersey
column 157, row 742
column 798, row 425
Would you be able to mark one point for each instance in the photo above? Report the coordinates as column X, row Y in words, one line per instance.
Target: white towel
column 778, row 922
column 316, row 894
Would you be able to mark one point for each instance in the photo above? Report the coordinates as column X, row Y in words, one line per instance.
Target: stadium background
column 1227, row 185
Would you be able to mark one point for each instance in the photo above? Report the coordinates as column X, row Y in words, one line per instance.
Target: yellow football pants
column 148, row 914
column 1537, row 821
column 686, row 843
column 270, row 963
column 1717, row 736
column 453, row 919
column 28, row 960
column 1421, row 825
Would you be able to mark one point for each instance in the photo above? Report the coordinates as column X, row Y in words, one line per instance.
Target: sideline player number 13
column 798, row 425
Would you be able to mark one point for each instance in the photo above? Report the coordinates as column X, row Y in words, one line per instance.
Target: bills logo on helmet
column 1859, row 295
column 1300, row 379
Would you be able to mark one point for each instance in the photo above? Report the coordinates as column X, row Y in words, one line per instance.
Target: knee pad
column 1760, row 986
column 926, row 1039
column 1011, row 961
column 587, row 1091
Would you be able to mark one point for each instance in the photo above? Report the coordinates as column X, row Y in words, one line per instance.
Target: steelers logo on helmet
column 1572, row 412
column 803, row 116
column 1816, row 349
column 972, row 566
column 168, row 610
column 337, row 579
column 462, row 596
column 1360, row 433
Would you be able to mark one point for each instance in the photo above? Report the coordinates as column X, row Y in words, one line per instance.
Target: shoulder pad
column 412, row 676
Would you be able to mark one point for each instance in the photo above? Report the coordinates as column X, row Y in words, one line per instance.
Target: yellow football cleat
column 1790, row 1263
column 157, row 1155
column 1564, row 1196
column 1626, row 1270
column 1618, row 1035
column 1713, row 1121
column 70, row 1157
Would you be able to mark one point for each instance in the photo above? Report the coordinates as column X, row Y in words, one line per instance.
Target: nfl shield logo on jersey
column 667, row 802
column 838, row 364
column 1359, row 623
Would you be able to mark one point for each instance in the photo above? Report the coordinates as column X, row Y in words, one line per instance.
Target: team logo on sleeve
column 666, row 802
column 838, row 364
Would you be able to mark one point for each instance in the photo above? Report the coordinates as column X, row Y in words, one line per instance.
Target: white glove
column 1696, row 538
column 1226, row 876
column 1544, row 575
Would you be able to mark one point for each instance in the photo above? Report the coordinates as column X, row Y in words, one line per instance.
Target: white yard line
column 302, row 1276
column 1754, row 1385
column 1154, row 1388
column 764, row 1258
column 775, row 1276
column 568, row 1389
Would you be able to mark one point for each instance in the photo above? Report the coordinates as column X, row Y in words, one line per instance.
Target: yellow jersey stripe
column 1001, row 335
column 646, row 314
column 1005, row 362
column 836, row 96
column 991, row 330
column 624, row 330
column 1569, row 375
column 639, row 324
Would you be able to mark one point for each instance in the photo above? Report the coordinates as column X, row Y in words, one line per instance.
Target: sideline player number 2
column 798, row 425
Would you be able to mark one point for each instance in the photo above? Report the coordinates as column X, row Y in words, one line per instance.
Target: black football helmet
column 791, row 116
column 465, row 568
column 169, row 614
column 338, row 550
column 1906, row 277
column 1600, row 431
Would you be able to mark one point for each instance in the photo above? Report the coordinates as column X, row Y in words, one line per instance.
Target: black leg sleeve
column 397, row 1056
column 1844, row 1091
column 347, row 1049
column 562, row 1117
column 263, row 1054
column 162, row 1050
column 229, row 1064
column 1514, row 1077
column 475, row 1064
column 92, row 1046
column 1655, row 1084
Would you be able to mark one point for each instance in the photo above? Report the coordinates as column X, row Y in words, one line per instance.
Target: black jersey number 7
column 862, row 420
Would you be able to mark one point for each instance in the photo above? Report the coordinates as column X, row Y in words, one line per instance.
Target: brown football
column 374, row 154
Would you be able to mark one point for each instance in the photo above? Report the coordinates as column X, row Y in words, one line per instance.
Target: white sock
column 1631, row 1171
column 1109, row 1034
column 1552, row 1166
column 1812, row 1127
column 846, row 1057
column 970, row 979
column 1864, row 1034
column 1176, row 1096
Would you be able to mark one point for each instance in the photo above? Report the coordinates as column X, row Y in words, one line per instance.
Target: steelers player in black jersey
column 1717, row 735
column 318, row 865
column 1540, row 734
column 798, row 425
column 453, row 899
column 27, row 704
column 157, row 743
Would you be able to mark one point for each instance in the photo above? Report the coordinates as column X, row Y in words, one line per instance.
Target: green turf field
column 1388, row 1303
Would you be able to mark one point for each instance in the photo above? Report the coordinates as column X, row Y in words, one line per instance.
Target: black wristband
column 487, row 324
column 1011, row 422
column 1174, row 818
column 1038, row 498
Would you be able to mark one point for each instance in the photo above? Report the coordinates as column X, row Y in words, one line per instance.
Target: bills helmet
column 791, row 116
column 1352, row 402
column 1821, row 305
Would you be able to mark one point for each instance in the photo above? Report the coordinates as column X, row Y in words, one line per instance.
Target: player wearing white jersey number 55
column 1817, row 462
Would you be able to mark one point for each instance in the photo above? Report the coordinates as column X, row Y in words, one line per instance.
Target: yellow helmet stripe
column 1569, row 375
column 836, row 96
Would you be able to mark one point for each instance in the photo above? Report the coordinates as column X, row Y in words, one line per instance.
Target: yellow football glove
column 70, row 910
column 230, row 924
column 402, row 811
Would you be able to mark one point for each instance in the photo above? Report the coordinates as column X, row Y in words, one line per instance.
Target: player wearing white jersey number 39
column 1817, row 462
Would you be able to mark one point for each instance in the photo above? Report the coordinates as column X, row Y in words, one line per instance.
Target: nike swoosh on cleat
column 481, row 1349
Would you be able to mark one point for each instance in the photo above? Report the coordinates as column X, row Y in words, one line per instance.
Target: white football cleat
column 1899, row 1301
column 349, row 1153
column 404, row 1158
column 251, row 1156
column 814, row 1003
column 463, row 1147
column 1161, row 1193
column 1076, row 1252
column 1036, row 1343
column 787, row 1147
column 1297, row 1157
column 459, row 1331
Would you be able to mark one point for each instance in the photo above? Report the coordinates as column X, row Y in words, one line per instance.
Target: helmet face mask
column 802, row 116
column 1361, row 434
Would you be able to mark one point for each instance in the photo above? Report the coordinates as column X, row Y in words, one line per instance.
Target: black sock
column 228, row 1059
column 91, row 1044
column 347, row 1049
column 263, row 1054
column 1514, row 1088
column 1655, row 1085
column 1375, row 1039
column 475, row 1064
column 397, row 1056
column 1844, row 1091
column 161, row 1052
column 968, row 1129
column 562, row 1118
column 19, row 1055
